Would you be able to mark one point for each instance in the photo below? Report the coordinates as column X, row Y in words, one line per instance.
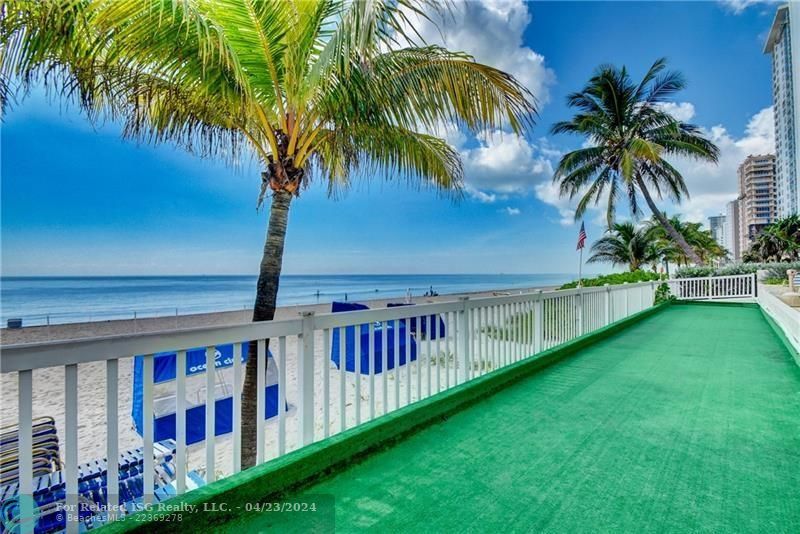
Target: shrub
column 774, row 270
column 694, row 272
column 613, row 279
column 778, row 270
column 663, row 294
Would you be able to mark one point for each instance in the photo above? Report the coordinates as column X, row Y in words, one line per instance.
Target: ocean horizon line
column 45, row 299
column 202, row 275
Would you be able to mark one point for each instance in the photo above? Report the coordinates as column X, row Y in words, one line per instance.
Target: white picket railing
column 480, row 335
column 714, row 287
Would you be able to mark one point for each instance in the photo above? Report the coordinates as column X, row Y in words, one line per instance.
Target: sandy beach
column 433, row 367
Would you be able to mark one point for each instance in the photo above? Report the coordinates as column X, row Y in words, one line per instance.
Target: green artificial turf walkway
column 687, row 421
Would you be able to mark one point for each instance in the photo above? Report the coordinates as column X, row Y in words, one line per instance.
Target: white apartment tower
column 733, row 230
column 783, row 43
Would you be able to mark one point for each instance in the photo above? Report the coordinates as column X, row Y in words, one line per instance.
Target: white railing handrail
column 714, row 287
column 720, row 277
column 29, row 356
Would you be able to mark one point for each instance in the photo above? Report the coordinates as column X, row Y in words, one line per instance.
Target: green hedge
column 616, row 278
column 774, row 270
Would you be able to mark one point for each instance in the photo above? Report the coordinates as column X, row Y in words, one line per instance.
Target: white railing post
column 180, row 421
column 463, row 341
column 71, row 440
column 607, row 305
column 211, row 416
column 754, row 288
column 25, row 487
column 261, row 374
column 147, row 430
column 652, row 293
column 538, row 322
column 305, row 377
column 625, row 294
column 112, row 437
column 237, row 415
column 579, row 306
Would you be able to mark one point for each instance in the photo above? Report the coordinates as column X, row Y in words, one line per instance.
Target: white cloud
column 512, row 211
column 492, row 32
column 738, row 6
column 683, row 111
column 505, row 164
column 548, row 193
column 480, row 196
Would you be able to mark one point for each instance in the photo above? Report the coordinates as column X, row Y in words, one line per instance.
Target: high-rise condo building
column 757, row 197
column 783, row 43
column 716, row 224
column 732, row 230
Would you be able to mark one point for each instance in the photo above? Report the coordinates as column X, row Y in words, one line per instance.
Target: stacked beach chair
column 49, row 485
column 46, row 457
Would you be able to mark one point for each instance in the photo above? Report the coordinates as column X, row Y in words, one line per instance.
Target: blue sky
column 78, row 200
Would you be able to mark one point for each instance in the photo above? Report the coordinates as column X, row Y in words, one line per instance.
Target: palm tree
column 700, row 240
column 629, row 134
column 625, row 244
column 779, row 241
column 316, row 90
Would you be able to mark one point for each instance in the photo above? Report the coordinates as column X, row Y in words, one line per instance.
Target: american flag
column 581, row 237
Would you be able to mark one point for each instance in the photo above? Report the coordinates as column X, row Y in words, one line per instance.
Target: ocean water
column 76, row 299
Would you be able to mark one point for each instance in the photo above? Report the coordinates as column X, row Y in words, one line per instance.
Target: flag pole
column 581, row 242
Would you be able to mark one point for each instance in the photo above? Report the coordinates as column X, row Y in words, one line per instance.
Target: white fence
column 714, row 287
column 473, row 337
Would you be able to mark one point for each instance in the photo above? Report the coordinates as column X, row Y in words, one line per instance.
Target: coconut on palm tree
column 625, row 244
column 630, row 138
column 319, row 91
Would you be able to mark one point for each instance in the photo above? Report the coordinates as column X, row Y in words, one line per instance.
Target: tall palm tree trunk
column 263, row 310
column 671, row 231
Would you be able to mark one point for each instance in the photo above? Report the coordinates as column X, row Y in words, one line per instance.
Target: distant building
column 732, row 230
column 783, row 43
column 757, row 197
column 716, row 225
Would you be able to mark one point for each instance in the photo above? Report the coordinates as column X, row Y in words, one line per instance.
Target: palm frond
column 308, row 85
column 391, row 153
column 633, row 134
column 423, row 86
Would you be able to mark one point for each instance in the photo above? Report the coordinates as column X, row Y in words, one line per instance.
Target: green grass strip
column 717, row 303
column 779, row 333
